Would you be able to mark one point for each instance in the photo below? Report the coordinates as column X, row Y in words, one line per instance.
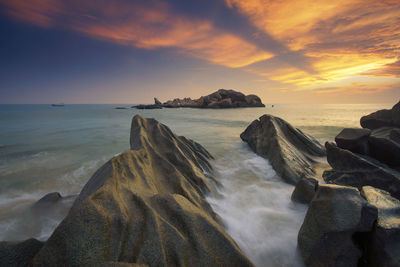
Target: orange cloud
column 342, row 39
column 389, row 70
column 148, row 27
column 357, row 88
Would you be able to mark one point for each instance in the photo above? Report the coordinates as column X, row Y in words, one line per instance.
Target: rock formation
column 382, row 118
column 19, row 254
column 220, row 99
column 293, row 154
column 334, row 218
column 383, row 248
column 354, row 139
column 145, row 206
column 339, row 228
column 357, row 170
column 305, row 190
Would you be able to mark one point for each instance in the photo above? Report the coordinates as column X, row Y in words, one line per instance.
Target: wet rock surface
column 145, row 206
column 19, row 254
column 305, row 190
column 334, row 216
column 336, row 231
column 293, row 154
column 357, row 170
column 354, row 139
column 384, row 240
column 382, row 118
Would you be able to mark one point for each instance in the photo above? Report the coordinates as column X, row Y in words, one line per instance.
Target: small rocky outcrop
column 50, row 198
column 147, row 106
column 305, row 190
column 19, row 254
column 293, row 154
column 157, row 102
column 220, row 99
column 145, row 206
column 382, row 118
column 336, row 216
column 383, row 248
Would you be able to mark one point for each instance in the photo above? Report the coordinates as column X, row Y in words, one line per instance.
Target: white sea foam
column 256, row 209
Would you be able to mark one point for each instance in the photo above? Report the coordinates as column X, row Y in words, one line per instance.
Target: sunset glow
column 268, row 45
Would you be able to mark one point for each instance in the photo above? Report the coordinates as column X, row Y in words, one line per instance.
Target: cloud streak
column 342, row 39
column 148, row 25
column 299, row 44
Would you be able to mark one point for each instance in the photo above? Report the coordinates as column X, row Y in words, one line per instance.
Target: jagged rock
column 358, row 170
column 19, row 254
column 293, row 154
column 384, row 241
column 334, row 216
column 382, row 118
column 50, row 198
column 354, row 139
column 385, row 145
column 305, row 190
column 157, row 102
column 145, row 206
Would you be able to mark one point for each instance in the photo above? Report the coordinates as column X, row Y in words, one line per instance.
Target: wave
column 254, row 204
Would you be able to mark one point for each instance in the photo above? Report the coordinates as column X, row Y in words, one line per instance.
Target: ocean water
column 46, row 149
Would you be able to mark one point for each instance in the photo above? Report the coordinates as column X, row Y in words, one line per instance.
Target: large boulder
column 384, row 145
column 384, row 241
column 354, row 139
column 145, row 206
column 293, row 154
column 19, row 254
column 382, row 118
column 335, row 215
column 357, row 170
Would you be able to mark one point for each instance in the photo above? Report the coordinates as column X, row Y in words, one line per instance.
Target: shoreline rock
column 19, row 253
column 334, row 217
column 382, row 118
column 357, row 170
column 366, row 161
column 145, row 206
column 220, row 99
column 293, row 154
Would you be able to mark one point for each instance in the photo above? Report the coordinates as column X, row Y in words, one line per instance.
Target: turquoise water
column 45, row 149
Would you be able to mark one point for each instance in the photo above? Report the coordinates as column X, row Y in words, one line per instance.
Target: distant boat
column 58, row 105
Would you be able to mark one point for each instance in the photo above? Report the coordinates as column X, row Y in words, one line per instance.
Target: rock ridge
column 144, row 207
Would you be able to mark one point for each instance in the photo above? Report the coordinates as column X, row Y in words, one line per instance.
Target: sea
column 47, row 149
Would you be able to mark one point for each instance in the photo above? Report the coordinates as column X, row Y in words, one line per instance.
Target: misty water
column 46, row 149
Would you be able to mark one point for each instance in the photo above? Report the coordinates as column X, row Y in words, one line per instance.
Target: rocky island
column 220, row 99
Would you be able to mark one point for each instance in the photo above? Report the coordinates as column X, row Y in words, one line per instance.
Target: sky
column 129, row 51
